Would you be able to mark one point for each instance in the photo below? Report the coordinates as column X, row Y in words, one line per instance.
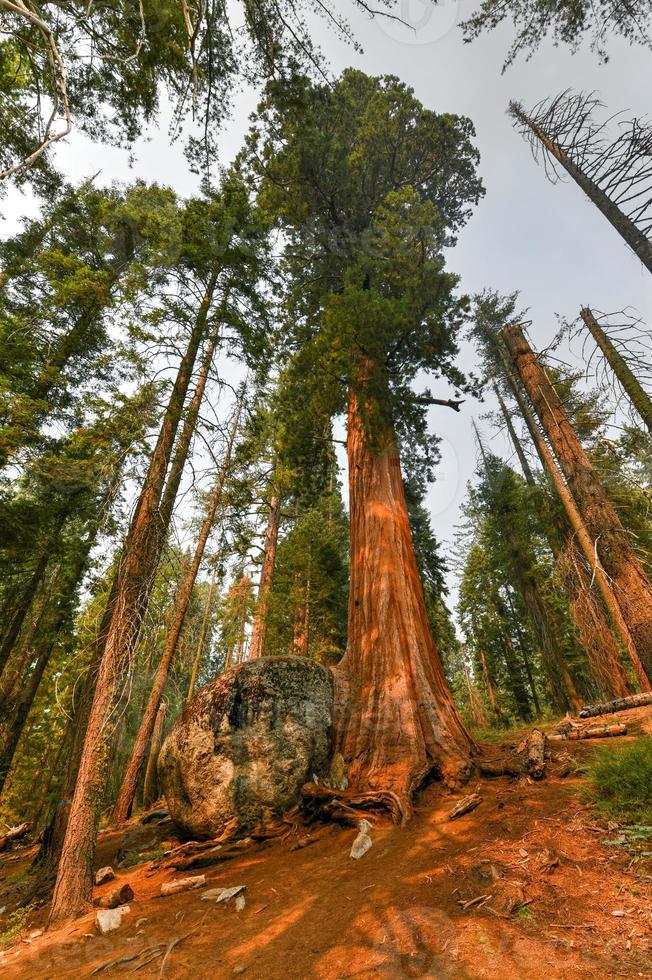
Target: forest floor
column 560, row 900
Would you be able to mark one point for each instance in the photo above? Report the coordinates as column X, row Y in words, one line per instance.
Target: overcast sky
column 547, row 241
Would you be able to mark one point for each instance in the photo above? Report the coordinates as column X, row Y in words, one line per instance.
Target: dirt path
column 559, row 902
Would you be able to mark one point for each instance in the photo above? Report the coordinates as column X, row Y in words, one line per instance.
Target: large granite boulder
column 245, row 745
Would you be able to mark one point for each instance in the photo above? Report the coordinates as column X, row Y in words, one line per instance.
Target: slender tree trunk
column 514, row 672
column 547, row 638
column 526, row 663
column 259, row 628
column 543, row 621
column 21, row 609
column 638, row 395
column 202, row 640
column 516, row 442
column 74, row 885
column 601, row 524
column 184, row 594
column 637, row 241
column 151, row 789
column 490, row 687
column 396, row 721
column 299, row 644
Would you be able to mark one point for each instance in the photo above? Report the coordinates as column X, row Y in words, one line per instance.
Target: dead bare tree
column 614, row 172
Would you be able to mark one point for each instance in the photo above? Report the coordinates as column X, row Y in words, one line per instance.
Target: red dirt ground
column 312, row 912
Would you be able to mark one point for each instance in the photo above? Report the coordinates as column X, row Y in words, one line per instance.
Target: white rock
column 360, row 846
column 240, row 902
column 110, row 919
column 228, row 893
column 364, row 826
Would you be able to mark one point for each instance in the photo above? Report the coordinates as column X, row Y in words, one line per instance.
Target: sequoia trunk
column 396, row 721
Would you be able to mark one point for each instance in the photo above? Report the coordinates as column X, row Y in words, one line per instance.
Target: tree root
column 342, row 805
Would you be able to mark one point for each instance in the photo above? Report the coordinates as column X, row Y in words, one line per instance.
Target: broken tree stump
column 465, row 805
column 536, row 746
column 619, row 704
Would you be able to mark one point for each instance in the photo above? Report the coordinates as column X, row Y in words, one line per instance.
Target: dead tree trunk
column 396, row 721
column 626, row 228
column 638, row 395
column 259, row 628
column 598, row 641
column 73, row 888
column 618, row 704
column 130, row 781
column 536, row 763
column 600, row 521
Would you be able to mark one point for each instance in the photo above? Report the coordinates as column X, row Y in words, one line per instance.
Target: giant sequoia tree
column 369, row 187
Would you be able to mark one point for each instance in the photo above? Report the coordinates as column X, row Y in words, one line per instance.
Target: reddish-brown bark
column 607, row 535
column 259, row 628
column 396, row 721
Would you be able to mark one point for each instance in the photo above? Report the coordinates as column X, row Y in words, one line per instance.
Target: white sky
column 547, row 241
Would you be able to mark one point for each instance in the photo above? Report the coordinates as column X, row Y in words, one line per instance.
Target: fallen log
column 536, row 745
column 499, row 767
column 619, row 704
column 214, row 855
column 598, row 731
column 326, row 803
column 14, row 834
column 465, row 805
column 588, row 731
column 182, row 885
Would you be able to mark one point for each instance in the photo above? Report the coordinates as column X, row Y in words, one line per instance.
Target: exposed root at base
column 341, row 806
